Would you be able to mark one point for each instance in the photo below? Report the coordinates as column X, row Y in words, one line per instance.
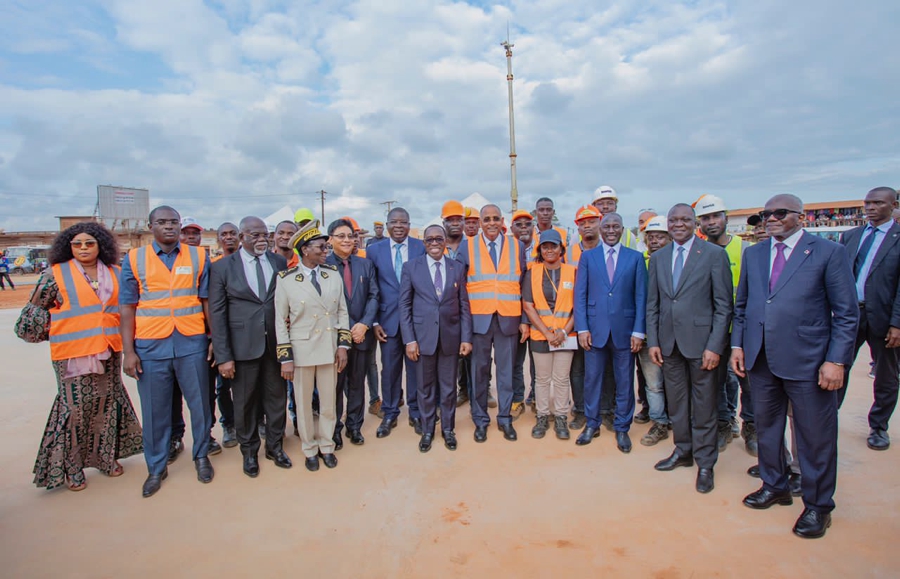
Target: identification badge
column 183, row 270
column 568, row 285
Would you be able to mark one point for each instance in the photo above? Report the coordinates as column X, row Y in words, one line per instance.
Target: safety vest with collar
column 565, row 298
column 82, row 325
column 168, row 299
column 494, row 290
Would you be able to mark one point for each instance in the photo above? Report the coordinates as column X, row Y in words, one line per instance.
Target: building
column 837, row 214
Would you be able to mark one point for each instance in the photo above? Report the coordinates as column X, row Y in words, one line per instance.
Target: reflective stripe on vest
column 573, row 254
column 82, row 325
column 565, row 299
column 734, row 249
column 494, row 290
column 168, row 298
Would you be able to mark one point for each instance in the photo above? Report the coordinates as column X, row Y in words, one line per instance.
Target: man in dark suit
column 361, row 293
column 242, row 310
column 437, row 329
column 795, row 321
column 388, row 258
column 689, row 303
column 874, row 251
column 610, row 318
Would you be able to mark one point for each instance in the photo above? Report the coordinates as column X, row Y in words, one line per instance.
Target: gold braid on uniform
column 284, row 352
column 344, row 338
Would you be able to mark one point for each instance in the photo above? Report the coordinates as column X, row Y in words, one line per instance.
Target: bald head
column 786, row 201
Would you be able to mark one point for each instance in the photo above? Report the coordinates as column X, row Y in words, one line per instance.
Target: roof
column 806, row 207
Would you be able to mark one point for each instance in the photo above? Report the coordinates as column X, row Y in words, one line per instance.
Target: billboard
column 123, row 205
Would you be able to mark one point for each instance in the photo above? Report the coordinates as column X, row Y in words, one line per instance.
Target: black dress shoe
column 329, row 459
column 229, row 437
column 205, row 470
column 214, row 447
column 425, row 442
column 384, row 429
column 765, row 498
column 356, row 437
column 878, row 439
column 449, row 439
column 642, row 417
column 509, row 433
column 416, row 423
column 153, row 482
column 280, row 458
column 312, row 463
column 480, row 433
column 753, row 471
column 705, row 480
column 251, row 466
column 623, row 442
column 812, row 524
column 674, row 461
column 589, row 433
column 795, row 480
column 338, row 441
column 176, row 446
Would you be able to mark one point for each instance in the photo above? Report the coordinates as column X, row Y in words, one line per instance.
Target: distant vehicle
column 832, row 233
column 27, row 259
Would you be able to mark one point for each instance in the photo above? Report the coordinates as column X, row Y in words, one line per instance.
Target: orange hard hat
column 453, row 209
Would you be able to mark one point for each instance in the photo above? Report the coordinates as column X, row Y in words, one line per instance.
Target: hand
column 524, row 332
column 132, row 365
column 656, row 355
column 737, row 362
column 831, row 376
column 551, row 336
column 709, row 361
column 226, row 370
column 465, row 348
column 210, row 357
column 584, row 340
column 893, row 338
column 358, row 332
column 559, row 337
column 636, row 344
column 380, row 335
column 287, row 370
column 412, row 351
column 340, row 359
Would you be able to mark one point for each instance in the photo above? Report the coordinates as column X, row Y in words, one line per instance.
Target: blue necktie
column 493, row 252
column 679, row 266
column 398, row 261
column 864, row 252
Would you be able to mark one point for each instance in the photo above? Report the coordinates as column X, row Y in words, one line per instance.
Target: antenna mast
column 513, row 192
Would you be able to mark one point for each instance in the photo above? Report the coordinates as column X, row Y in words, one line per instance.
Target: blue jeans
column 728, row 393
column 656, row 393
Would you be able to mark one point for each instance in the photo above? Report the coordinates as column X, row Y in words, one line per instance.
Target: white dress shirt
column 432, row 270
column 249, row 261
column 617, row 249
column 499, row 246
column 687, row 251
column 790, row 243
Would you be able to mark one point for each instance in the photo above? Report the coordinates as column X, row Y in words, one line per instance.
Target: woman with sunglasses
column 92, row 423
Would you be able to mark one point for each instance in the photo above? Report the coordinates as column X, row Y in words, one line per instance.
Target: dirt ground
column 533, row 508
column 16, row 298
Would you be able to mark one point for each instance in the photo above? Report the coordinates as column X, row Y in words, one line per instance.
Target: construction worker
column 524, row 230
column 544, row 213
column 453, row 215
column 587, row 219
column 227, row 237
column 163, row 294
column 606, row 200
column 303, row 216
column 472, row 222
column 713, row 218
column 283, row 233
column 378, row 227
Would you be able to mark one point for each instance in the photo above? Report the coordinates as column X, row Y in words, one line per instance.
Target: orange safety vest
column 573, row 254
column 168, row 299
column 565, row 299
column 494, row 291
column 295, row 259
column 82, row 325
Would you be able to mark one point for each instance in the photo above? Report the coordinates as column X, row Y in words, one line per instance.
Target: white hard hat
column 605, row 192
column 658, row 223
column 190, row 222
column 709, row 204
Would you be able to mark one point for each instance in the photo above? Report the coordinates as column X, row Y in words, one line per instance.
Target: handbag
column 33, row 324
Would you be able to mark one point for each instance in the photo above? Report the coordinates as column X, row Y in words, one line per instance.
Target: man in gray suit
column 242, row 316
column 689, row 307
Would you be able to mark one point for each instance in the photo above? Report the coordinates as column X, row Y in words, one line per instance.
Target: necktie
column 777, row 265
column 438, row 280
column 610, row 265
column 260, row 280
column 679, row 266
column 398, row 261
column 494, row 253
column 315, row 282
column 348, row 278
column 864, row 251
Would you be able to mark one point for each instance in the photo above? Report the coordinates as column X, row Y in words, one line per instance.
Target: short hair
column 435, row 226
column 612, row 215
column 219, row 230
column 289, row 222
column 495, row 206
column 543, row 199
column 888, row 190
column 245, row 220
column 162, row 208
column 679, row 205
column 334, row 225
column 395, row 210
column 61, row 249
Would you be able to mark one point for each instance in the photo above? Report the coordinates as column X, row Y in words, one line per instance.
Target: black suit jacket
column 882, row 290
column 242, row 324
column 363, row 306
column 424, row 317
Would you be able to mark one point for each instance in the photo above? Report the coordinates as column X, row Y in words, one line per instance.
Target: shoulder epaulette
column 329, row 266
column 288, row 271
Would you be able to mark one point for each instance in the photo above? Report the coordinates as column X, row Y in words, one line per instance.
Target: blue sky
column 231, row 107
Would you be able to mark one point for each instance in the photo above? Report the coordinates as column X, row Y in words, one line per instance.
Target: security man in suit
column 311, row 320
column 874, row 251
column 361, row 294
column 437, row 329
column 242, row 310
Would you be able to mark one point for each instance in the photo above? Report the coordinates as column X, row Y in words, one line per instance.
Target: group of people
column 712, row 323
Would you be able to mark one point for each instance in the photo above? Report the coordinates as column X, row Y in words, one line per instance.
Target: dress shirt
column 498, row 241
column 249, row 261
column 618, row 249
column 790, row 243
column 687, row 251
column 404, row 250
column 308, row 272
column 870, row 257
column 431, row 269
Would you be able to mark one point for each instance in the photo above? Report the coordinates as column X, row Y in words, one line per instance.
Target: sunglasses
column 430, row 240
column 523, row 224
column 778, row 214
column 79, row 244
column 491, row 219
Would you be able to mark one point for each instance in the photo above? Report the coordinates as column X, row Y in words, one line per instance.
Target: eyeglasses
column 492, row 219
column 89, row 243
column 778, row 214
column 430, row 240
column 523, row 224
column 254, row 235
column 345, row 236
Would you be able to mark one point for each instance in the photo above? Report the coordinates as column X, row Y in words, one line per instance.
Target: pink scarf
column 92, row 364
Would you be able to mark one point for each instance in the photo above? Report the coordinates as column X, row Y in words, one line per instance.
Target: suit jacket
column 424, row 317
column 242, row 324
column 363, row 306
column 882, row 290
column 611, row 312
column 698, row 312
column 811, row 315
column 509, row 325
column 381, row 255
column 315, row 323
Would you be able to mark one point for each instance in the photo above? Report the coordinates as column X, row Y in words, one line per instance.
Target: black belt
column 862, row 305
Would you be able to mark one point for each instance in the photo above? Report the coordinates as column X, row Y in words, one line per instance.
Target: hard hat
column 658, row 223
column 708, row 204
column 190, row 222
column 453, row 209
column 521, row 214
column 605, row 192
column 353, row 223
column 472, row 213
column 586, row 212
column 303, row 215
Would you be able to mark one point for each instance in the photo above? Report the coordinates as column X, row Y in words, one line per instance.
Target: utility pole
column 322, row 194
column 513, row 192
column 388, row 203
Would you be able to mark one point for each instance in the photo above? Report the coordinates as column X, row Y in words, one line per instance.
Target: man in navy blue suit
column 795, row 321
column 389, row 257
column 610, row 318
column 437, row 329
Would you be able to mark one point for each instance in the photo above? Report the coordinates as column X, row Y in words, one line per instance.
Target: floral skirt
column 91, row 425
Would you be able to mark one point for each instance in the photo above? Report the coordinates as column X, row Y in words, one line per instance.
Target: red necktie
column 348, row 279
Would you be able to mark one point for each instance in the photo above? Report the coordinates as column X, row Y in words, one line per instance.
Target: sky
column 227, row 108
